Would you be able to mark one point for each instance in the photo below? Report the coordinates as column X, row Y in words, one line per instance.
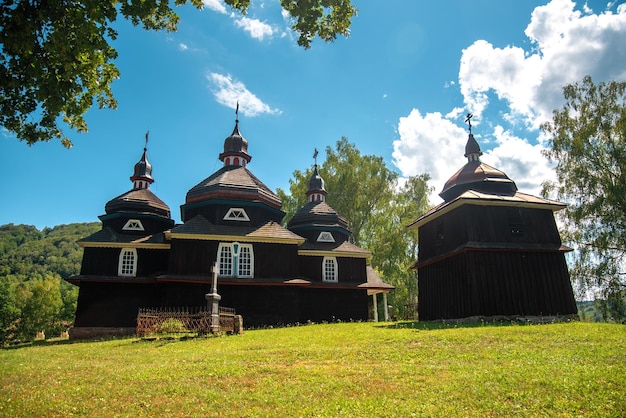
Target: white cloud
column 435, row 145
column 183, row 47
column 520, row 160
column 215, row 5
column 228, row 92
column 257, row 29
column 567, row 46
column 429, row 144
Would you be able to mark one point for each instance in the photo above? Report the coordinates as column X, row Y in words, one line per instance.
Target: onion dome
column 142, row 175
column 317, row 214
column 235, row 149
column 316, row 187
column 139, row 200
column 478, row 176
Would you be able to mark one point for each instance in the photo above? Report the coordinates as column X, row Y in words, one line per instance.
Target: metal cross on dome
column 468, row 119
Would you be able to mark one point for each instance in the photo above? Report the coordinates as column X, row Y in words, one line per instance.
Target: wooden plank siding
column 105, row 261
column 493, row 283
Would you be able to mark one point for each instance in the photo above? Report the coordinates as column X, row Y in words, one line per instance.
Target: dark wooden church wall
column 275, row 261
column 192, row 257
column 487, row 224
column 113, row 304
column 351, row 270
column 100, row 261
column 105, row 261
column 490, row 283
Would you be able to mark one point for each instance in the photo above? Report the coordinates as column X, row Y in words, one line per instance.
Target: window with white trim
column 128, row 262
column 133, row 225
column 329, row 269
column 235, row 259
column 236, row 214
column 325, row 236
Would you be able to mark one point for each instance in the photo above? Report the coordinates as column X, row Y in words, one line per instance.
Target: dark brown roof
column 138, row 201
column 374, row 283
column 108, row 236
column 233, row 182
column 344, row 247
column 479, row 176
column 317, row 213
column 199, row 226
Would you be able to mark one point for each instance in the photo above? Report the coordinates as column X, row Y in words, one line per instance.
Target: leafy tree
column 33, row 296
column 366, row 192
column 56, row 58
column 587, row 139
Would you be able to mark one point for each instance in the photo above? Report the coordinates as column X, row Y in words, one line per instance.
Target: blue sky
column 398, row 87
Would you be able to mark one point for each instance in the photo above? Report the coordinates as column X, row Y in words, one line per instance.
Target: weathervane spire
column 468, row 120
column 237, row 112
column 315, row 156
column 145, row 147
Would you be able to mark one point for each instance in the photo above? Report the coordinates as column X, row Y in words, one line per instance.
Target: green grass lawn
column 329, row 370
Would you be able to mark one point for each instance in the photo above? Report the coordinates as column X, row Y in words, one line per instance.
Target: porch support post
column 386, row 310
column 375, row 307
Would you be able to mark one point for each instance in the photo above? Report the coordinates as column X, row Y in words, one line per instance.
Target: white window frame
column 127, row 265
column 133, row 225
column 236, row 214
column 331, row 274
column 235, row 260
column 325, row 236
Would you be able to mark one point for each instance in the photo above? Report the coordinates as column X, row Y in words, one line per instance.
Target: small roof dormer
column 235, row 147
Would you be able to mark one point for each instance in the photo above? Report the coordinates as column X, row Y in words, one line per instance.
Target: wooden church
column 270, row 274
column 489, row 250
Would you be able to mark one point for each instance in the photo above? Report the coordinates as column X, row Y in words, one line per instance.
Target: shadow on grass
column 479, row 322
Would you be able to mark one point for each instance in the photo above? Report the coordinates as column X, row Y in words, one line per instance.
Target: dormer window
column 133, row 225
column 236, row 214
column 325, row 236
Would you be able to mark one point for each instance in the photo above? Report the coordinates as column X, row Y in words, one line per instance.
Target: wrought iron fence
column 182, row 320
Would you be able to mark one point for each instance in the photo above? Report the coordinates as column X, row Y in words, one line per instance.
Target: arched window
column 235, row 259
column 329, row 269
column 127, row 263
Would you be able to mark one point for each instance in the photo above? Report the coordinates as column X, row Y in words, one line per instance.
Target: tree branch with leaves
column 56, row 60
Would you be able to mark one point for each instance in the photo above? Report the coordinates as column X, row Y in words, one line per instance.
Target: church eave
column 472, row 197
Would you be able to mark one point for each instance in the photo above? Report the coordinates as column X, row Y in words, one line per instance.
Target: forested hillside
column 33, row 263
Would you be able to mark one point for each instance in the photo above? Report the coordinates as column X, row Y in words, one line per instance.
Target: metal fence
column 176, row 320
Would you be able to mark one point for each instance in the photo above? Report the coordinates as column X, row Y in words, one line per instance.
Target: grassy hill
column 329, row 370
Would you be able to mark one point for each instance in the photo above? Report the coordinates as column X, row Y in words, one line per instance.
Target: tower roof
column 235, row 149
column 478, row 176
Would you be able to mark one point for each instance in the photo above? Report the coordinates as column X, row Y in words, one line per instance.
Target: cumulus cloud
column 429, row 144
column 229, row 91
column 215, row 5
column 567, row 45
column 257, row 29
column 520, row 160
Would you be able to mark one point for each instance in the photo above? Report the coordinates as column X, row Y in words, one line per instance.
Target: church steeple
column 472, row 149
column 316, row 191
column 235, row 147
column 142, row 175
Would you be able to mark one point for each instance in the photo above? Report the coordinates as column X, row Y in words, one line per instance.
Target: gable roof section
column 201, row 229
column 108, row 238
column 333, row 249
